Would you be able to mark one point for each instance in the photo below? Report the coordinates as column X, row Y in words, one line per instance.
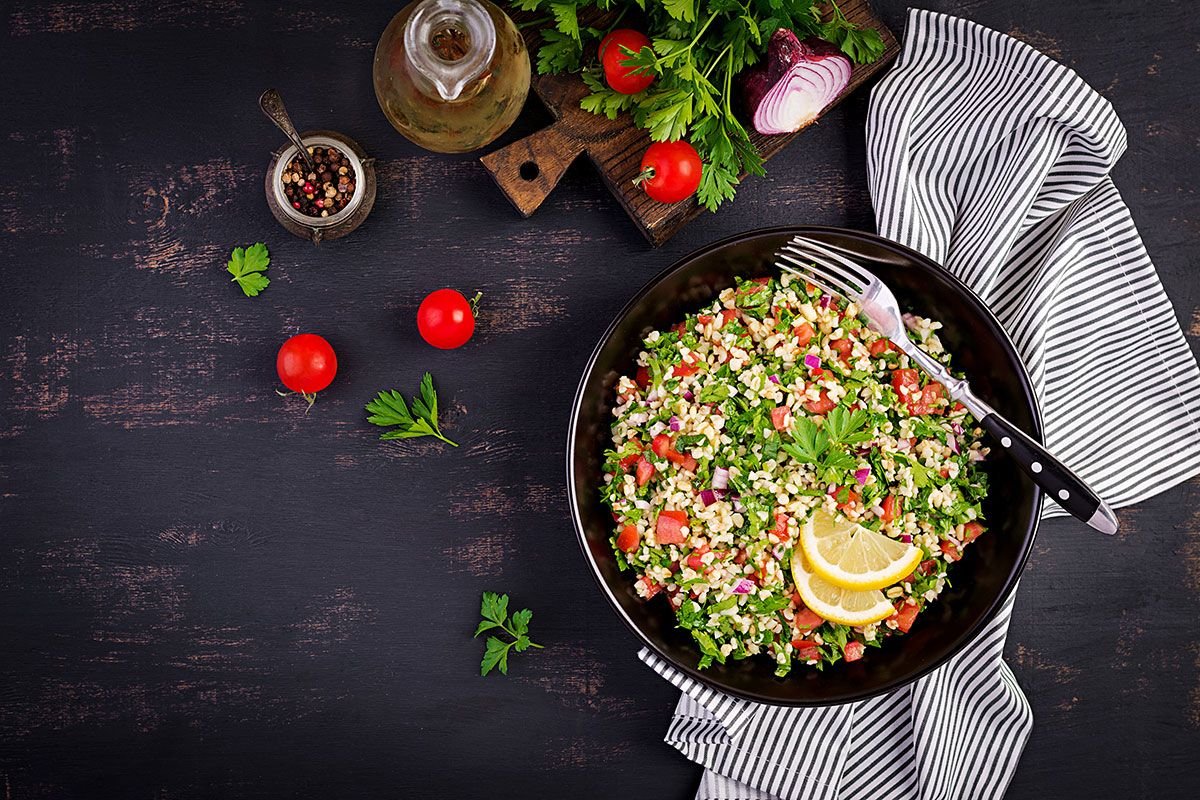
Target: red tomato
column 807, row 620
column 780, row 416
column 631, row 459
column 688, row 367
column 645, row 471
column 629, row 539
column 804, row 333
column 781, row 529
column 905, row 614
column 661, row 445
column 822, row 405
column 807, row 651
column 842, row 347
column 971, row 532
column 853, row 651
column 652, row 588
column 668, row 529
column 688, row 463
column 881, row 346
column 445, row 319
column 728, row 315
column 907, row 379
column 306, row 363
column 852, row 498
column 950, row 551
column 705, row 319
column 622, row 78
column 696, row 559
column 893, row 507
column 928, row 400
column 642, row 378
column 670, row 171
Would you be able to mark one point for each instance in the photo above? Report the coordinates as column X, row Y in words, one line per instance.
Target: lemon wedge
column 850, row 556
column 846, row 606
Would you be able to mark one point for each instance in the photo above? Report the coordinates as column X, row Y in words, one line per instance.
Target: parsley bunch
column 698, row 48
column 824, row 447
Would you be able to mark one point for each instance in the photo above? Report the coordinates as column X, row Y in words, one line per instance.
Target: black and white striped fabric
column 994, row 161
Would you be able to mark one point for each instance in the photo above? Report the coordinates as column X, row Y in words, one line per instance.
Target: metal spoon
column 272, row 105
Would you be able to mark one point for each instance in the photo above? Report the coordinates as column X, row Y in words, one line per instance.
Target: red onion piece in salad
column 861, row 476
column 812, row 362
column 825, row 300
column 953, row 441
column 743, row 586
column 795, row 82
column 773, row 378
column 720, row 478
column 673, row 423
column 708, row 497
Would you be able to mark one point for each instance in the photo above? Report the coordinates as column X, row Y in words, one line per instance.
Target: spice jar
column 330, row 202
column 451, row 75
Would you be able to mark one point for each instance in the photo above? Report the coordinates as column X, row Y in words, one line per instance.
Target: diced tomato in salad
column 853, row 651
column 645, row 471
column 642, row 378
column 971, row 531
column 880, row 346
column 728, row 315
column 950, row 550
column 822, row 405
column 804, row 333
column 669, row 528
column 842, row 347
column 652, row 588
column 690, row 366
column 906, row 614
column 780, row 417
column 629, row 539
column 806, row 651
column 893, row 507
column 781, row 527
column 853, row 498
column 806, row 620
column 696, row 559
column 631, row 459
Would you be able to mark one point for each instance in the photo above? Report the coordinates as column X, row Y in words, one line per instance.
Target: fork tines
column 829, row 271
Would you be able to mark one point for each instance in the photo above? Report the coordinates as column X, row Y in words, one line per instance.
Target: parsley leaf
column 494, row 610
column 247, row 267
column 389, row 410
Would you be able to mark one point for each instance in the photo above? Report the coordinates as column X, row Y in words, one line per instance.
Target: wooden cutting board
column 528, row 170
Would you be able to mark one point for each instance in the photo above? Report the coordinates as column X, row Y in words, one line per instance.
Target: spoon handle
column 272, row 105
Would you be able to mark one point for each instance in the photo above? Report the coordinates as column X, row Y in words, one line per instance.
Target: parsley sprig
column 698, row 48
column 824, row 446
column 389, row 410
column 494, row 610
column 247, row 267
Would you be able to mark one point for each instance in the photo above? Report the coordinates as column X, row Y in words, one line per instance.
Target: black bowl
column 979, row 583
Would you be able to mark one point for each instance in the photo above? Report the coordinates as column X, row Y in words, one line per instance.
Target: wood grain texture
column 528, row 169
column 205, row 591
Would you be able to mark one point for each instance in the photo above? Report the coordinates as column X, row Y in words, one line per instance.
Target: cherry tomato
column 670, row 171
column 622, row 78
column 445, row 319
column 306, row 363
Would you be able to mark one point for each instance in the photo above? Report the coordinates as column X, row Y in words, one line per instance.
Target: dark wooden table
column 205, row 591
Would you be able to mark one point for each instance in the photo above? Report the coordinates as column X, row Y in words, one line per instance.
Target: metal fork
column 836, row 274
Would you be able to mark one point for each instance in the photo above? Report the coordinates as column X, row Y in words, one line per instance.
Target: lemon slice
column 834, row 603
column 853, row 557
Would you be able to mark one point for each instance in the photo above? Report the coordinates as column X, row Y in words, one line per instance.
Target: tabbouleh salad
column 774, row 406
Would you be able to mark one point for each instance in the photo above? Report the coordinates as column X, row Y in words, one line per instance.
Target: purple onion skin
column 784, row 51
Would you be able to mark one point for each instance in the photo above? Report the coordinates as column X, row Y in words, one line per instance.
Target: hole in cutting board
column 529, row 171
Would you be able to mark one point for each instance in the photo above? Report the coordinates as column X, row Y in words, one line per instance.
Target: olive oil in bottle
column 451, row 75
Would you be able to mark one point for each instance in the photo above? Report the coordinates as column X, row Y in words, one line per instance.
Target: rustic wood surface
column 528, row 170
column 206, row 592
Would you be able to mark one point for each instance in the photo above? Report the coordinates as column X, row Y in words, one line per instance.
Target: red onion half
column 795, row 82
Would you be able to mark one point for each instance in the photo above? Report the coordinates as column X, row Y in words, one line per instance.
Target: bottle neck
column 450, row 43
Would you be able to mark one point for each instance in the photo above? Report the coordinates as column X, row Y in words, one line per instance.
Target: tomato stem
column 646, row 175
column 474, row 303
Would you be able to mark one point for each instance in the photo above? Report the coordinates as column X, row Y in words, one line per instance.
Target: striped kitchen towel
column 993, row 160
